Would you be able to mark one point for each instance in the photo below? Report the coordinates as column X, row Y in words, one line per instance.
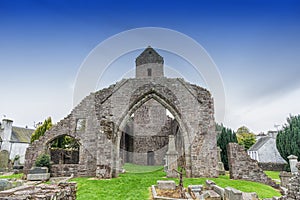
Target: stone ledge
column 38, row 177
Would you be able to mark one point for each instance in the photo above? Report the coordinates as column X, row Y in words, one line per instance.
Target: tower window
column 149, row 72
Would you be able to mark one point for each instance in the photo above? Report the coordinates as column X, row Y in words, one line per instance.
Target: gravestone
column 171, row 158
column 38, row 174
column 38, row 170
column 166, row 185
column 233, row 194
column 4, row 158
column 221, row 168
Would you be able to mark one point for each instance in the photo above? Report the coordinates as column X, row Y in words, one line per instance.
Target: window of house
column 149, row 72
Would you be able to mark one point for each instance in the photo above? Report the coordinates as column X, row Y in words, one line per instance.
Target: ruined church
column 132, row 121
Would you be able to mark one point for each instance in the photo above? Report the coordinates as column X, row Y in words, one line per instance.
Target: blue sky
column 255, row 45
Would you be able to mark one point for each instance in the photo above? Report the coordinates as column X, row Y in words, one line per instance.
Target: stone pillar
column 4, row 158
column 293, row 161
column 220, row 168
column 285, row 178
column 171, row 158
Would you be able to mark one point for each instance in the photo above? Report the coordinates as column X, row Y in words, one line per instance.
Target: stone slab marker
column 171, row 158
column 4, row 158
column 166, row 185
column 293, row 161
column 221, row 168
column 233, row 194
column 38, row 174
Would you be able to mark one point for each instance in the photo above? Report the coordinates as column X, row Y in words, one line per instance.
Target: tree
column 288, row 138
column 43, row 160
column 225, row 136
column 245, row 137
column 65, row 142
column 40, row 131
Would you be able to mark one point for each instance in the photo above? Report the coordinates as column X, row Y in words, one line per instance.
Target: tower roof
column 149, row 55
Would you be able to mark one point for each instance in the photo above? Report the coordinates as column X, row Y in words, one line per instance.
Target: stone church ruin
column 131, row 121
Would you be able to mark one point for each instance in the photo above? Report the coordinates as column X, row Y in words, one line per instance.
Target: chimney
column 6, row 127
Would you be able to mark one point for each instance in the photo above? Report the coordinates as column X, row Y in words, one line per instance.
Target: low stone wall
column 241, row 166
column 285, row 178
column 62, row 191
column 293, row 186
column 272, row 166
column 64, row 170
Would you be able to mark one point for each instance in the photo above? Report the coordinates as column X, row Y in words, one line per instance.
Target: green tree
column 40, row 131
column 288, row 138
column 225, row 136
column 43, row 160
column 245, row 137
column 65, row 142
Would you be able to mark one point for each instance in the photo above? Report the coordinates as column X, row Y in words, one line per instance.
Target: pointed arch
column 135, row 104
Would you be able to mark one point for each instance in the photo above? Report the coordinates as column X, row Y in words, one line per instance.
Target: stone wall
column 64, row 170
column 241, row 166
column 272, row 166
column 64, row 156
column 293, row 186
column 62, row 191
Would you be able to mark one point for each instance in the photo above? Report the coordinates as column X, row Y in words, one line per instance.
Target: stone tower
column 150, row 118
column 149, row 64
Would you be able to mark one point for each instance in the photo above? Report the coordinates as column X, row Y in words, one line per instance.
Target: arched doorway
column 154, row 145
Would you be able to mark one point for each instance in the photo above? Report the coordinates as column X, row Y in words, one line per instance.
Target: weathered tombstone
column 221, row 168
column 219, row 190
column 209, row 184
column 293, row 161
column 171, row 158
column 166, row 185
column 233, row 194
column 38, row 174
column 4, row 159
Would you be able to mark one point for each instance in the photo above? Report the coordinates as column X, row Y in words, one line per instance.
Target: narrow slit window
column 149, row 72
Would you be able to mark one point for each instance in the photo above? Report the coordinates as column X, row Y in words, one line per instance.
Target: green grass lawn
column 17, row 176
column 136, row 182
column 273, row 175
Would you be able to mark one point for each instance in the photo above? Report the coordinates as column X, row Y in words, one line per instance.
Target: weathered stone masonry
column 241, row 166
column 106, row 114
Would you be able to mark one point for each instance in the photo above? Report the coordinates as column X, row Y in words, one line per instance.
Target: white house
column 265, row 151
column 13, row 139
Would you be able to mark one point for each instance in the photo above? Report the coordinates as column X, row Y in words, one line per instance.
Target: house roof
column 260, row 142
column 21, row 134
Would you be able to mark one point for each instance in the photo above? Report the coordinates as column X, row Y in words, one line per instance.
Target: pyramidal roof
column 149, row 55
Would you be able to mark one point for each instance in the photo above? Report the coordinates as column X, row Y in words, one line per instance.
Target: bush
column 43, row 160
